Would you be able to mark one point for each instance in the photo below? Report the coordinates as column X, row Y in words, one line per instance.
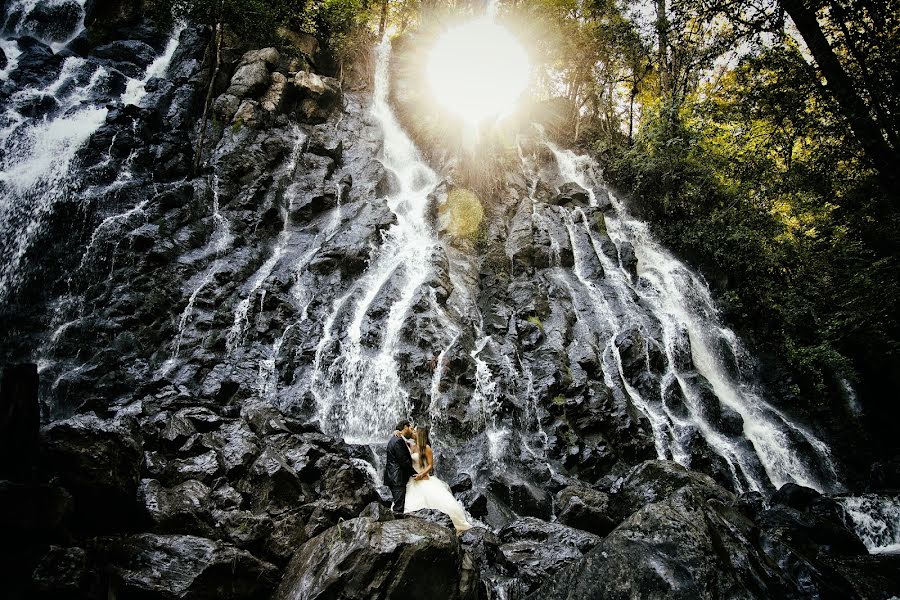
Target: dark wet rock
column 394, row 559
column 681, row 548
column 271, row 481
column 183, row 509
column 627, row 258
column 655, row 480
column 63, row 572
column 378, row 511
column 433, row 516
column 99, row 462
column 135, row 55
column 536, row 550
column 523, row 497
column 36, row 66
column 475, row 502
column 461, row 482
column 180, row 566
column 51, row 22
column 809, row 523
column 584, row 508
column 33, row 512
column 572, row 194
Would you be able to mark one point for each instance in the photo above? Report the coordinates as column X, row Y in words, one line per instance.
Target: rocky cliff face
column 221, row 354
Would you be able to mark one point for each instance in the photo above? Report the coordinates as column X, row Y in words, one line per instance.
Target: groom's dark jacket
column 399, row 467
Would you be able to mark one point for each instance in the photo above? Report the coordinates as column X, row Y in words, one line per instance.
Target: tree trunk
column 867, row 132
column 216, row 52
column 383, row 21
column 662, row 40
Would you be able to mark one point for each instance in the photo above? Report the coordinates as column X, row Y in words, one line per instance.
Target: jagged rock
column 225, row 106
column 252, row 78
column 273, row 99
column 184, row 566
column 271, row 481
column 627, row 258
column 584, row 508
column 461, row 482
column 537, row 550
column 433, row 516
column 655, row 480
column 182, row 509
column 475, row 502
column 571, row 194
column 129, row 56
column 51, row 22
column 366, row 558
column 523, row 497
column 36, row 66
column 317, row 96
column 692, row 540
column 99, row 462
column 63, row 573
column 247, row 113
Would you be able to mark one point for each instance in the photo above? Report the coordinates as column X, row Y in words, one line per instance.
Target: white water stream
column 360, row 388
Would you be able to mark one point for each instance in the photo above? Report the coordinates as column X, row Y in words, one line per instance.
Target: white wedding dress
column 434, row 493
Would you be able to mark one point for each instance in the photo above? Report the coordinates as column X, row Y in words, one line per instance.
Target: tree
column 869, row 134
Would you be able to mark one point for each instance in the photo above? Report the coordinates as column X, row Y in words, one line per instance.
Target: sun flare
column 478, row 70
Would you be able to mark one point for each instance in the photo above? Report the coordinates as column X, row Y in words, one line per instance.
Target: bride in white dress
column 427, row 491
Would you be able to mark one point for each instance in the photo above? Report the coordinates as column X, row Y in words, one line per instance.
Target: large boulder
column 99, row 462
column 655, row 480
column 366, row 558
column 184, row 566
column 585, row 508
column 317, row 96
column 685, row 547
column 535, row 550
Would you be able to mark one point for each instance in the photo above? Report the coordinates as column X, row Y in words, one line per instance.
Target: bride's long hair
column 422, row 442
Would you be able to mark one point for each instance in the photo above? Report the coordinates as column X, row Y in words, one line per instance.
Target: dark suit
column 397, row 471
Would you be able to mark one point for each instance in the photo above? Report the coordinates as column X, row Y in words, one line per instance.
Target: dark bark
column 839, row 84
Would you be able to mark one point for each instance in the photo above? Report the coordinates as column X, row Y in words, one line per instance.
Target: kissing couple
column 409, row 472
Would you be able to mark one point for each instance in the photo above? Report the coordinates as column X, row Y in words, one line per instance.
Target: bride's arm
column 430, row 457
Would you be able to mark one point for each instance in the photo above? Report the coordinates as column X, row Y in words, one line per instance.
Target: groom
column 399, row 467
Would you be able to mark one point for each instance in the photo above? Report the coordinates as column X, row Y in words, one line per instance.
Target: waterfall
column 136, row 89
column 779, row 450
column 36, row 159
column 360, row 388
column 876, row 520
column 38, row 154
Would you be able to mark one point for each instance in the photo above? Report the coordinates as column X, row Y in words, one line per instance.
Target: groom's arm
column 404, row 458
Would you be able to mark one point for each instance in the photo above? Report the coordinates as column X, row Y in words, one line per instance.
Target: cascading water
column 43, row 129
column 876, row 520
column 675, row 300
column 360, row 388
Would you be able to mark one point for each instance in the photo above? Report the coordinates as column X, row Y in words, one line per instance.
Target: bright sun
column 478, row 70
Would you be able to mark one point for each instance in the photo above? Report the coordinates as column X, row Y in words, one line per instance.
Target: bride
column 427, row 491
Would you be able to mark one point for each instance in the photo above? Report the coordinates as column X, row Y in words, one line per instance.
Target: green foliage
column 255, row 23
column 759, row 184
column 559, row 400
column 536, row 321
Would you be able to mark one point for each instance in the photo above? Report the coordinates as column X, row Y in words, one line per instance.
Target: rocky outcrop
column 368, row 558
column 691, row 538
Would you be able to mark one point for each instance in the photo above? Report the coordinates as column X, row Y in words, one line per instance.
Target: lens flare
column 478, row 70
